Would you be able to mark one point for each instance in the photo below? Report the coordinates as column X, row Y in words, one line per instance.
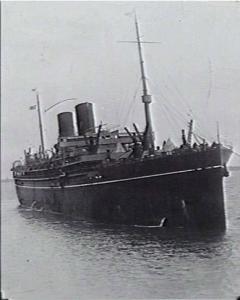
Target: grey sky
column 71, row 49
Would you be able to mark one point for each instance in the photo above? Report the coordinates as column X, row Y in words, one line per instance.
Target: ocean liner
column 123, row 177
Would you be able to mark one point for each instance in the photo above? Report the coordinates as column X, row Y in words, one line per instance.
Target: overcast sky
column 72, row 49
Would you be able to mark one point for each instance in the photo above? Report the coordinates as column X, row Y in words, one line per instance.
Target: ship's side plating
column 182, row 191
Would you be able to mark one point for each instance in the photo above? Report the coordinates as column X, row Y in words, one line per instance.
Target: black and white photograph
column 120, row 150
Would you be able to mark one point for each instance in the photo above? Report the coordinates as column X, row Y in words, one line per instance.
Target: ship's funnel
column 85, row 118
column 65, row 124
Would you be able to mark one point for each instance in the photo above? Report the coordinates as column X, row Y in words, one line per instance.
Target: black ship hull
column 170, row 191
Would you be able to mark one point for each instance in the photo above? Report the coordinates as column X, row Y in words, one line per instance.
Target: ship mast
column 146, row 97
column 218, row 133
column 40, row 122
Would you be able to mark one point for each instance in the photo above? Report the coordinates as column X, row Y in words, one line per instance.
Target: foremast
column 146, row 97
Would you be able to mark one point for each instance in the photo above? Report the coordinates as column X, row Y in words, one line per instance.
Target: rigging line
column 196, row 138
column 181, row 97
column 172, row 125
column 165, row 113
column 177, row 91
column 59, row 102
column 177, row 113
column 178, row 124
column 122, row 104
column 205, row 129
column 208, row 132
column 168, row 119
column 209, row 136
column 131, row 106
column 210, row 72
column 179, row 100
column 199, row 129
column 183, row 116
column 199, row 133
column 187, row 105
column 238, row 154
column 131, row 109
column 185, row 102
column 170, row 115
column 202, row 137
column 204, row 132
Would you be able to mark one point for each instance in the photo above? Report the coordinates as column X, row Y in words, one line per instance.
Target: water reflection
column 112, row 261
column 104, row 237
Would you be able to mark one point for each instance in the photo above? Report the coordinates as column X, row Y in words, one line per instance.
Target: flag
column 129, row 14
column 33, row 107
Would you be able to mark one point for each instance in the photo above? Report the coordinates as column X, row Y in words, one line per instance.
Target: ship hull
column 187, row 198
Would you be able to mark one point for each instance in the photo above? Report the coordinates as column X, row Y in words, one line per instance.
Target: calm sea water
column 47, row 257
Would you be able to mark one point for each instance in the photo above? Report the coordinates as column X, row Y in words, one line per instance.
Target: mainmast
column 146, row 97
